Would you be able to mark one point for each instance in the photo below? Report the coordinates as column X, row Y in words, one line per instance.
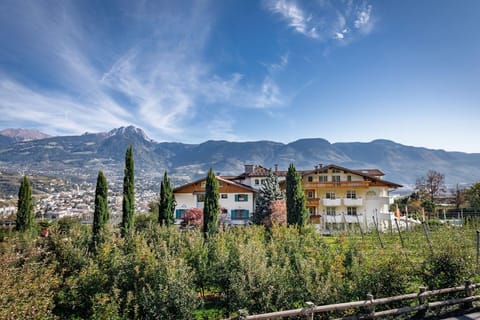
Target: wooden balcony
column 332, row 185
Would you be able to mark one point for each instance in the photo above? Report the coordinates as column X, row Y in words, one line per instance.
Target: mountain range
column 82, row 156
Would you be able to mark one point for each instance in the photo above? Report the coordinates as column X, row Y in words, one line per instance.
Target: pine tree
column 25, row 206
column 211, row 205
column 101, row 215
column 166, row 206
column 128, row 204
column 296, row 203
column 269, row 192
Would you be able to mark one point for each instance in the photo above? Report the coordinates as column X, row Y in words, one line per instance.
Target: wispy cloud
column 159, row 81
column 325, row 20
column 295, row 17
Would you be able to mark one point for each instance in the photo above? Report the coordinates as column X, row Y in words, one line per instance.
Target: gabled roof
column 223, row 180
column 368, row 174
column 260, row 171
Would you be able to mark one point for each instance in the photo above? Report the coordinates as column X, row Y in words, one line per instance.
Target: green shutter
column 246, row 197
column 236, row 198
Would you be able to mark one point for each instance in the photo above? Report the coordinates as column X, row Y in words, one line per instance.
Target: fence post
column 422, row 300
column 468, row 293
column 371, row 306
column 311, row 312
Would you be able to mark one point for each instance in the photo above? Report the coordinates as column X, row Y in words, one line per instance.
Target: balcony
column 336, row 184
column 353, row 202
column 332, row 202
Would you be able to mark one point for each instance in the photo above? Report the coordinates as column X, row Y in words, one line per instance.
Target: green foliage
column 473, row 196
column 25, row 215
column 166, row 209
column 167, row 273
column 268, row 193
column 297, row 213
column 211, row 205
column 128, row 203
column 101, row 215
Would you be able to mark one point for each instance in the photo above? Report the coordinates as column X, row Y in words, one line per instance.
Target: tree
column 211, row 206
column 458, row 195
column 296, row 209
column 101, row 215
column 193, row 217
column 166, row 206
column 431, row 185
column 128, row 203
column 25, row 206
column 278, row 214
column 473, row 196
column 269, row 192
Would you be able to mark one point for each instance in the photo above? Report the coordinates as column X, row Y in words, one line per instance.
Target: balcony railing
column 336, row 184
column 353, row 202
column 332, row 202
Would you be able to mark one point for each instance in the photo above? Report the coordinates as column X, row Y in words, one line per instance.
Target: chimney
column 248, row 168
column 316, row 168
column 320, row 165
column 276, row 167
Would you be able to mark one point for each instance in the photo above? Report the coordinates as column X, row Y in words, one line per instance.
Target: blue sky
column 280, row 70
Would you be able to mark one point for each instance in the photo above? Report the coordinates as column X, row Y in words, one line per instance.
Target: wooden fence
column 367, row 306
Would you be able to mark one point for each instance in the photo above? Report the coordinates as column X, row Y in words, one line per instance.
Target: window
column 351, row 194
column 180, row 213
column 257, row 182
column 323, row 178
column 336, row 171
column 203, row 184
column 241, row 197
column 224, row 196
column 240, row 214
column 331, row 211
column 310, row 179
column 330, row 195
column 312, row 210
column 335, row 178
column 201, row 197
column 310, row 194
column 349, row 178
column 351, row 211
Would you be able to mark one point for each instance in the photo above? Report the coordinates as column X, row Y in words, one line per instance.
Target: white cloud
column 158, row 82
column 295, row 17
column 363, row 17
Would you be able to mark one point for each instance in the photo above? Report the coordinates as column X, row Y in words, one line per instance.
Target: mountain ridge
column 84, row 155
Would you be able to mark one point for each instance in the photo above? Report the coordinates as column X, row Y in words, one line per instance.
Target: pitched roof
column 224, row 180
column 369, row 174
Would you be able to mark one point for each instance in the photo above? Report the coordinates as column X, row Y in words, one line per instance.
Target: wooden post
column 311, row 312
column 468, row 293
column 428, row 237
column 478, row 245
column 371, row 306
column 378, row 233
column 399, row 233
column 361, row 231
column 421, row 301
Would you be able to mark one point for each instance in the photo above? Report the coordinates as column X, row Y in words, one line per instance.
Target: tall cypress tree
column 25, row 216
column 296, row 203
column 269, row 192
column 128, row 203
column 166, row 206
column 101, row 215
column 211, row 205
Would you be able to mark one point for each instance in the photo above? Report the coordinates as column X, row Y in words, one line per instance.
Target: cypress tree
column 211, row 205
column 269, row 192
column 101, row 215
column 25, row 216
column 166, row 206
column 128, row 203
column 296, row 203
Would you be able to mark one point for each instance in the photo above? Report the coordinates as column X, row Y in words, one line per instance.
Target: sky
column 279, row 70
